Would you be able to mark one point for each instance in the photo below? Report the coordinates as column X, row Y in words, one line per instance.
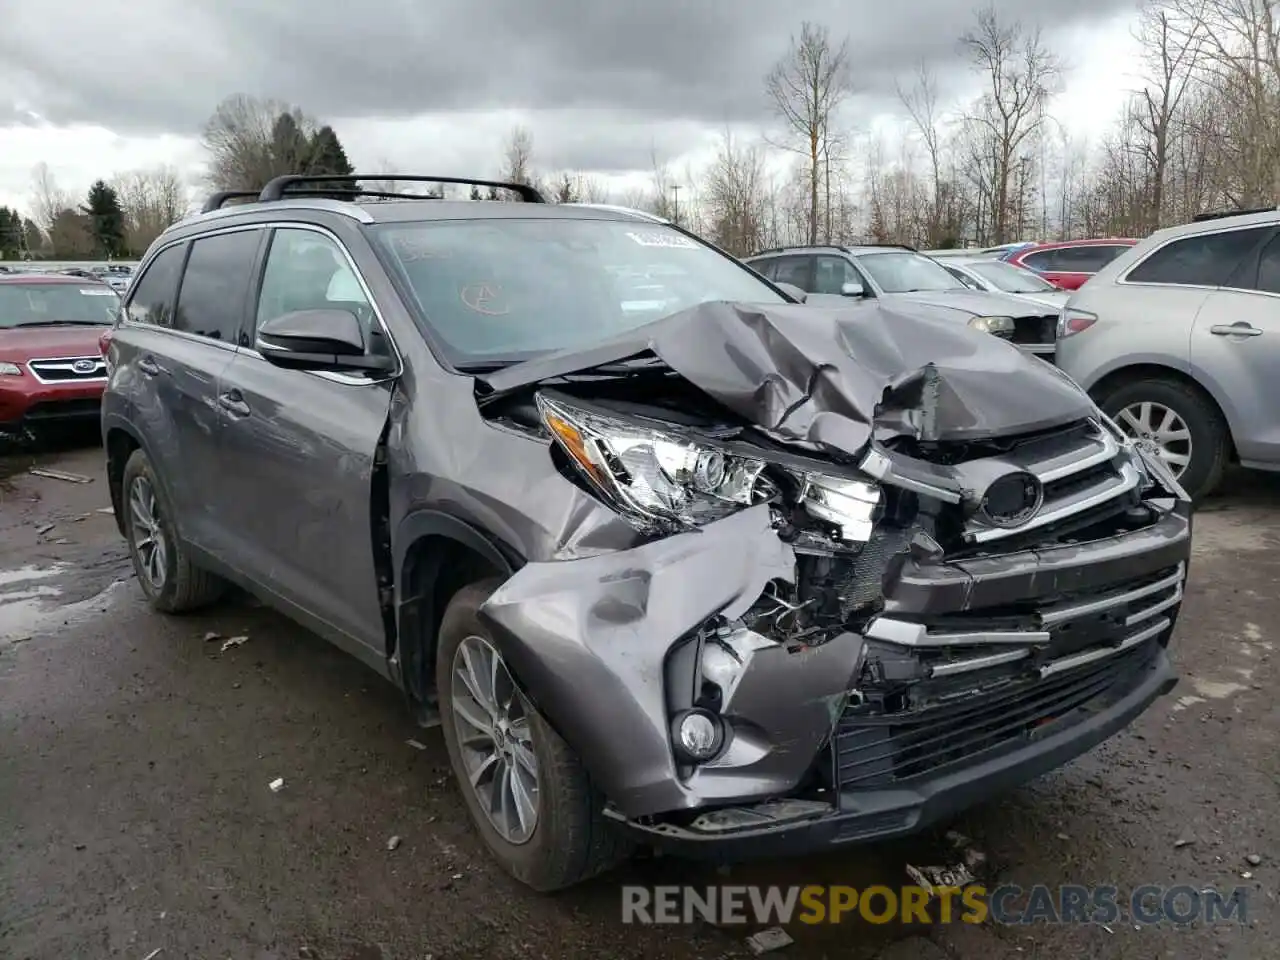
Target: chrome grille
column 1057, row 636
column 64, row 369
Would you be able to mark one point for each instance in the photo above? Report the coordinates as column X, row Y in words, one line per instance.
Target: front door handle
column 148, row 366
column 1237, row 329
column 233, row 403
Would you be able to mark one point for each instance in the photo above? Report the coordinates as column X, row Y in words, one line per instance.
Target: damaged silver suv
column 672, row 558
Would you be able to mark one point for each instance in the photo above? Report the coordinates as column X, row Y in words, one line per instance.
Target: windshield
column 507, row 290
column 1011, row 279
column 26, row 304
column 903, row 272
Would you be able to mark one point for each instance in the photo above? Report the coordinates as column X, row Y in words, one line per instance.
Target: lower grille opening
column 881, row 750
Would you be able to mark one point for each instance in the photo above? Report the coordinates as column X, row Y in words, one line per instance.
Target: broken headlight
column 657, row 479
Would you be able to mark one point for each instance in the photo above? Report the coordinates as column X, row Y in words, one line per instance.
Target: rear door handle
column 148, row 366
column 233, row 403
column 1240, row 329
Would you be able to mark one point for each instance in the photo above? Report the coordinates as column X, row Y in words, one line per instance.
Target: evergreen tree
column 32, row 238
column 290, row 149
column 328, row 157
column 10, row 233
column 475, row 193
column 106, row 219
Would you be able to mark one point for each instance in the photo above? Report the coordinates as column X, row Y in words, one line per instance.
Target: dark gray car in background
column 672, row 558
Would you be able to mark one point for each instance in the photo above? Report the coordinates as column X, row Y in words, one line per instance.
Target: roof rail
column 1220, row 214
column 218, row 200
column 276, row 189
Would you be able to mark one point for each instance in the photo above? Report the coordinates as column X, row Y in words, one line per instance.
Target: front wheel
column 1182, row 426
column 528, row 794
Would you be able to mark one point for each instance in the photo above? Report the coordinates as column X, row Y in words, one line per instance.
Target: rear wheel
column 171, row 581
column 1182, row 426
column 528, row 794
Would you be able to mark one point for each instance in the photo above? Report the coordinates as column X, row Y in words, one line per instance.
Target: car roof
column 854, row 250
column 1215, row 224
column 1091, row 242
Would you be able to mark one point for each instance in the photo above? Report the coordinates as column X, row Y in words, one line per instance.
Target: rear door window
column 215, row 285
column 1207, row 260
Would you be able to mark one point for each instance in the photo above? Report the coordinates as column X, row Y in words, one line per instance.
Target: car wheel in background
column 528, row 794
column 171, row 582
column 1181, row 423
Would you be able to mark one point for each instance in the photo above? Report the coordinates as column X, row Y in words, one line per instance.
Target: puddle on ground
column 27, row 603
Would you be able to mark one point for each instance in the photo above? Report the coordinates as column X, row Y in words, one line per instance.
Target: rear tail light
column 1072, row 321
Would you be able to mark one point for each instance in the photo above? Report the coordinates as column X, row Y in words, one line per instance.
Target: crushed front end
column 807, row 650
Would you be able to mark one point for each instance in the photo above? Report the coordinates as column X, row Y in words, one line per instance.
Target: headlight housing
column 658, row 480
column 996, row 325
column 8, row 369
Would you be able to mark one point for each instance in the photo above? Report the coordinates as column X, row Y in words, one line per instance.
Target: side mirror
column 318, row 340
column 851, row 290
column 792, row 291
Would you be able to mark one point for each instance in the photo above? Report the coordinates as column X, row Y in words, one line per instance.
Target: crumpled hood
column 834, row 378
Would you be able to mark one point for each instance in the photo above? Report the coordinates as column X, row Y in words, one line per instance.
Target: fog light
column 697, row 735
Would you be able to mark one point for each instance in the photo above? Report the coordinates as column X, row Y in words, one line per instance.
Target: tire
column 181, row 586
column 1210, row 438
column 571, row 841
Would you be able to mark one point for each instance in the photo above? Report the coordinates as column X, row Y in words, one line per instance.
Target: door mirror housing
column 327, row 339
column 851, row 290
column 792, row 291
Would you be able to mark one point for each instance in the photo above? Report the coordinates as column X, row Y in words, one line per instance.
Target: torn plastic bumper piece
column 789, row 827
column 590, row 641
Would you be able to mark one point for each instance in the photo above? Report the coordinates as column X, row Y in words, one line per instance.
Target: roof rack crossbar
column 218, row 200
column 276, row 189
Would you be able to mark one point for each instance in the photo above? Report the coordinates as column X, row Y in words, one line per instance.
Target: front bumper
column 602, row 644
column 787, row 828
column 24, row 401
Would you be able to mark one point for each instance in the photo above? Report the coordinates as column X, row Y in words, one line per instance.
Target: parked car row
column 1177, row 336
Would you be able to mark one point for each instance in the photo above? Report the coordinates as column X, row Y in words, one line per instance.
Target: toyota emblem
column 84, row 366
column 1012, row 500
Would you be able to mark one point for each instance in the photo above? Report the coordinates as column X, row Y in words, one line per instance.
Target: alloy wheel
column 149, row 538
column 1161, row 429
column 495, row 739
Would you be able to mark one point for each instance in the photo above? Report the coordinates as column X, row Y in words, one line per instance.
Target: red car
column 1069, row 263
column 51, row 365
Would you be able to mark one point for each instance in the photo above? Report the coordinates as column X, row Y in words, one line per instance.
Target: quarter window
column 211, row 300
column 1269, row 267
column 151, row 300
column 1207, row 260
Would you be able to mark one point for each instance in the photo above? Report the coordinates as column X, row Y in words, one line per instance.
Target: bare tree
column 806, row 88
column 1021, row 74
column 517, row 156
column 242, row 137
column 1171, row 52
column 151, row 200
column 921, row 104
column 735, row 195
column 47, row 198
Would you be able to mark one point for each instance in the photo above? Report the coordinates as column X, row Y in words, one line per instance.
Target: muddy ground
column 135, row 758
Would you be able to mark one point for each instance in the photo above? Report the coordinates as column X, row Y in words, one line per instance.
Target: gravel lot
column 135, row 759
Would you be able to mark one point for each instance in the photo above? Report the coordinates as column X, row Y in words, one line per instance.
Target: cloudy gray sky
column 92, row 87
